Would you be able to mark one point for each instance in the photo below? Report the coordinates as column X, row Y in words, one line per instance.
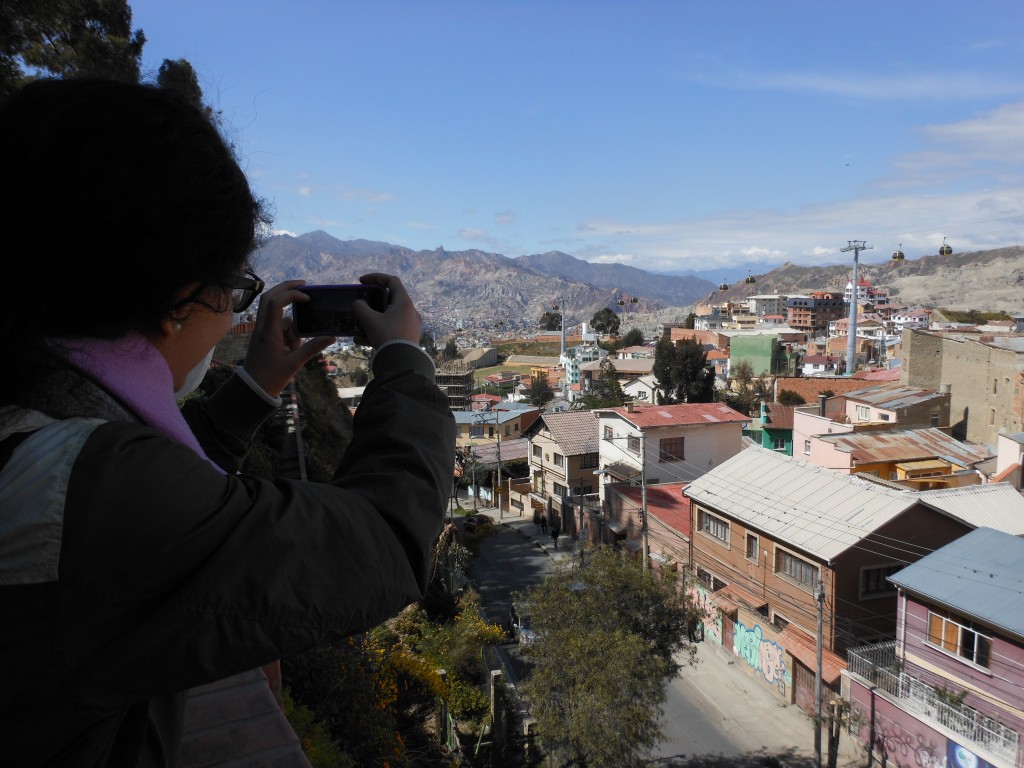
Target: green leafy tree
column 789, row 397
column 605, row 392
column 451, row 350
column 605, row 321
column 539, row 392
column 179, row 75
column 65, row 38
column 682, row 371
column 634, row 337
column 603, row 715
column 747, row 391
column 551, row 321
column 691, row 321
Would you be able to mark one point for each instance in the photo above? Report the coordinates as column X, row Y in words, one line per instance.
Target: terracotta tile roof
column 883, row 374
column 683, row 414
column 809, row 387
column 1001, row 476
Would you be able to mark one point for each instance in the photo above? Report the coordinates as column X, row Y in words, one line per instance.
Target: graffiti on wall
column 762, row 655
column 711, row 616
column 899, row 745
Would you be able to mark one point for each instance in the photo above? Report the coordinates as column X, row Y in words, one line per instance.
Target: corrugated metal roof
column 682, row 414
column 907, row 445
column 995, row 505
column 810, row 507
column 574, row 431
column 980, row 575
column 893, row 396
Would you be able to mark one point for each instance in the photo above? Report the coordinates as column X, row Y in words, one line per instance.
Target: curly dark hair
column 128, row 196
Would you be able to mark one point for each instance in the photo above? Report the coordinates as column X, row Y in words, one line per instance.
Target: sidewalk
column 742, row 705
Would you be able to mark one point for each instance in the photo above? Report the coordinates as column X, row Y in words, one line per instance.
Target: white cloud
column 910, row 87
column 366, row 195
column 614, row 258
column 305, row 191
column 505, row 217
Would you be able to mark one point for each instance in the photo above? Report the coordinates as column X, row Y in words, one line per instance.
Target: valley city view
column 727, row 303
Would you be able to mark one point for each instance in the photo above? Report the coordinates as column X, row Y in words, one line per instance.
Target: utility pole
column 819, row 596
column 643, row 500
column 851, row 343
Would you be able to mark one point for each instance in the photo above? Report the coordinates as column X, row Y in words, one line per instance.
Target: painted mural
column 711, row 616
column 763, row 655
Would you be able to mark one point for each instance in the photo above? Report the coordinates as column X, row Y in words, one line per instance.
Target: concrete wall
column 987, row 390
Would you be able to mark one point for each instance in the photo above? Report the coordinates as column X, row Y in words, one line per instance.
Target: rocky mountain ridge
column 477, row 289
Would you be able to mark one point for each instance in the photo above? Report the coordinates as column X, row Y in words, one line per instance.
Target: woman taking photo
column 135, row 562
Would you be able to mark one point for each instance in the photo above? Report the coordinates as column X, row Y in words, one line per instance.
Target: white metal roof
column 810, row 507
column 995, row 505
column 825, row 513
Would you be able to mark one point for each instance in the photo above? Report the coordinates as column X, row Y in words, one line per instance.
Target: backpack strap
column 33, row 489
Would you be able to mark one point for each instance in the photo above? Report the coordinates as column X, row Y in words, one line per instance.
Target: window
column 559, row 460
column 807, row 446
column 607, row 433
column 779, row 443
column 490, row 431
column 633, row 443
column 934, row 420
column 588, row 460
column 862, row 413
column 537, row 452
column 873, row 580
column 709, row 580
column 751, row 546
column 559, row 489
column 883, row 417
column 670, row 449
column 995, row 386
column 798, row 569
column 477, row 430
column 959, row 636
column 714, row 526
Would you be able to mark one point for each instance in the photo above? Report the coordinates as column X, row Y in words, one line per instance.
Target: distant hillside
column 477, row 286
column 983, row 280
column 480, row 289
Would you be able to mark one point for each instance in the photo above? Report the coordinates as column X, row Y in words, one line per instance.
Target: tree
column 451, row 350
column 605, row 392
column 551, row 321
column 65, row 38
column 634, row 337
column 603, row 714
column 682, row 371
column 179, row 75
column 789, row 397
column 539, row 391
column 691, row 321
column 747, row 392
column 605, row 321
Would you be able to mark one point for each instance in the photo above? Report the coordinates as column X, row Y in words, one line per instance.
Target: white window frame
column 963, row 630
column 711, row 525
column 796, row 560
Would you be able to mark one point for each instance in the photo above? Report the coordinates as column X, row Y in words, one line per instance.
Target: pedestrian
column 555, row 530
column 136, row 561
column 536, row 522
column 543, row 524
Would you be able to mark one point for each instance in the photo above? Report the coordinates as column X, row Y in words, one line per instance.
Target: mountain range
column 475, row 288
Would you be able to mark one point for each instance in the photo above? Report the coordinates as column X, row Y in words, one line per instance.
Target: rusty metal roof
column 907, row 445
column 893, row 397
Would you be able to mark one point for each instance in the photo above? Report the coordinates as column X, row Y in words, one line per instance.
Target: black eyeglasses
column 244, row 290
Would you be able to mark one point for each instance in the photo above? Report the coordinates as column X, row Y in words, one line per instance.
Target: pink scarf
column 134, row 371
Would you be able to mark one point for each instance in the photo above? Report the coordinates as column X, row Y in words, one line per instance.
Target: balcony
column 878, row 666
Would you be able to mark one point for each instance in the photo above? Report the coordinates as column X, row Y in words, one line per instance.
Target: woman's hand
column 276, row 353
column 400, row 320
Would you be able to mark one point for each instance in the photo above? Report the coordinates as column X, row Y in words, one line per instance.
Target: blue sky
column 677, row 135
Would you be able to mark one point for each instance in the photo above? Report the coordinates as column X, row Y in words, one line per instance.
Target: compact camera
column 329, row 309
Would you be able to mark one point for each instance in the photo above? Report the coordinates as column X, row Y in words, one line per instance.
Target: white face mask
column 195, row 376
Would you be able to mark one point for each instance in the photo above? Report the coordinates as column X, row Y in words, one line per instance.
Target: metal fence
column 879, row 666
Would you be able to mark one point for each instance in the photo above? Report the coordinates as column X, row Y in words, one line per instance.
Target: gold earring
column 177, row 326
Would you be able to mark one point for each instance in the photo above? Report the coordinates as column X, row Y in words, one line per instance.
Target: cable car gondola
column 944, row 249
column 898, row 254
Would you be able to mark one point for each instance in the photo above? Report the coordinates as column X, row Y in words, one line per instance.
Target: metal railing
column 879, row 666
